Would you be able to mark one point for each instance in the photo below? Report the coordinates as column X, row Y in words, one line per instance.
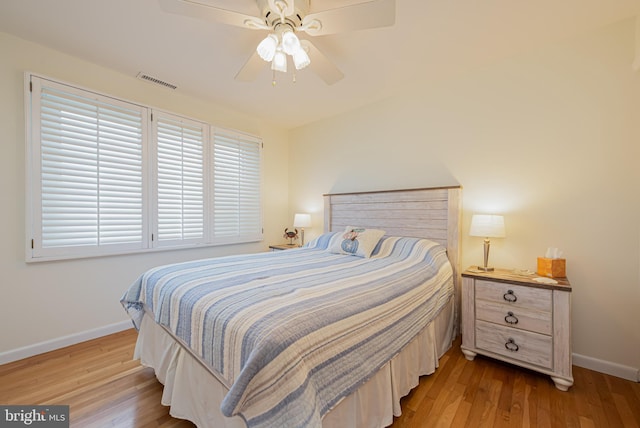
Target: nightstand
column 515, row 319
column 281, row 247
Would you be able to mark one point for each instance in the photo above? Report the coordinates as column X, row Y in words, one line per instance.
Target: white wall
column 550, row 139
column 42, row 302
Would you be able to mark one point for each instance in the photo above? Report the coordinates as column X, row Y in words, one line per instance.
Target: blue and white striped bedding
column 291, row 333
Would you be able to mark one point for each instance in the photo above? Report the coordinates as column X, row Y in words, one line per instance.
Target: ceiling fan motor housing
column 293, row 12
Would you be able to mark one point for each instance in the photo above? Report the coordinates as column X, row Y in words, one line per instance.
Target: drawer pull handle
column 511, row 346
column 509, row 296
column 510, row 318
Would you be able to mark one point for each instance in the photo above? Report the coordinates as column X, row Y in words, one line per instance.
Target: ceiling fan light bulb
column 290, row 42
column 267, row 47
column 279, row 62
column 301, row 58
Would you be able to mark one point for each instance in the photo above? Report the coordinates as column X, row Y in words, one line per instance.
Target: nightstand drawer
column 512, row 316
column 514, row 295
column 515, row 344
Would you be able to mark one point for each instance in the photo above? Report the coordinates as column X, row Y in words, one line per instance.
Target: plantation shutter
column 237, row 208
column 89, row 184
column 107, row 176
column 179, row 179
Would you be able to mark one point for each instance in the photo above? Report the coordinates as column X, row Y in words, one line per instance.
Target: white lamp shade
column 302, row 220
column 300, row 58
column 279, row 62
column 267, row 47
column 487, row 226
column 290, row 42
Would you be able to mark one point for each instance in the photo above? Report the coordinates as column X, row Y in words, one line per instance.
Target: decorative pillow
column 356, row 241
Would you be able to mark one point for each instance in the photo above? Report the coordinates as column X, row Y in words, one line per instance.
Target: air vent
column 144, row 76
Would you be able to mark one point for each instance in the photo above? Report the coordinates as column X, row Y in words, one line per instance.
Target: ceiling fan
column 283, row 19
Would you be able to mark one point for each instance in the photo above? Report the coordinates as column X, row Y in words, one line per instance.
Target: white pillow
column 356, row 241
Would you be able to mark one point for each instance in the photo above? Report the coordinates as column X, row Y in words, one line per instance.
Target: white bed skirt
column 193, row 393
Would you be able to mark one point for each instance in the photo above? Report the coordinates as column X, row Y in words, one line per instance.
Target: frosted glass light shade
column 300, row 58
column 290, row 42
column 267, row 47
column 487, row 226
column 302, row 220
column 279, row 62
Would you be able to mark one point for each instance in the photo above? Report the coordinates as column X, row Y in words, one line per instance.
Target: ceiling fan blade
column 250, row 70
column 360, row 16
column 196, row 9
column 321, row 65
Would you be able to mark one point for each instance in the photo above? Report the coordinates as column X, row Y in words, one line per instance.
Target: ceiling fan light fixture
column 289, row 18
column 267, row 47
column 301, row 58
column 279, row 62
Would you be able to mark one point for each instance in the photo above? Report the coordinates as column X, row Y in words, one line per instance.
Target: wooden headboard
column 432, row 213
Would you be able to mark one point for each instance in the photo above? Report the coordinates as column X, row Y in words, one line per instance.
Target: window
column 111, row 177
column 179, row 180
column 237, row 213
column 88, row 170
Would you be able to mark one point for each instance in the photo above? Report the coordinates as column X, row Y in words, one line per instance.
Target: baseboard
column 607, row 367
column 61, row 342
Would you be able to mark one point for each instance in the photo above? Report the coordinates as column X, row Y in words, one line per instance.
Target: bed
column 314, row 336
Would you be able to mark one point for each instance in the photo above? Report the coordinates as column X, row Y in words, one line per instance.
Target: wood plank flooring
column 105, row 388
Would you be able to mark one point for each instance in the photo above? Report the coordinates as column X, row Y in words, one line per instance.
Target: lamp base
column 486, row 268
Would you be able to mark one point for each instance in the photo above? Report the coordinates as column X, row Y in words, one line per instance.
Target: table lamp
column 487, row 226
column 302, row 220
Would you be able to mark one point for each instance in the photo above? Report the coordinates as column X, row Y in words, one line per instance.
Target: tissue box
column 552, row 268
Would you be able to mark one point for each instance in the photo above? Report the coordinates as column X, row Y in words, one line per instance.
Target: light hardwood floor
column 105, row 388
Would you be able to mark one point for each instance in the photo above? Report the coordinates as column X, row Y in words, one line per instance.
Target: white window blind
column 237, row 208
column 179, row 179
column 89, row 183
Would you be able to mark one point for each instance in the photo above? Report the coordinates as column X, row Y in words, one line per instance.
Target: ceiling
column 431, row 40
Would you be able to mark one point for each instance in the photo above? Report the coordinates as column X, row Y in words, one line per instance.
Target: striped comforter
column 291, row 333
